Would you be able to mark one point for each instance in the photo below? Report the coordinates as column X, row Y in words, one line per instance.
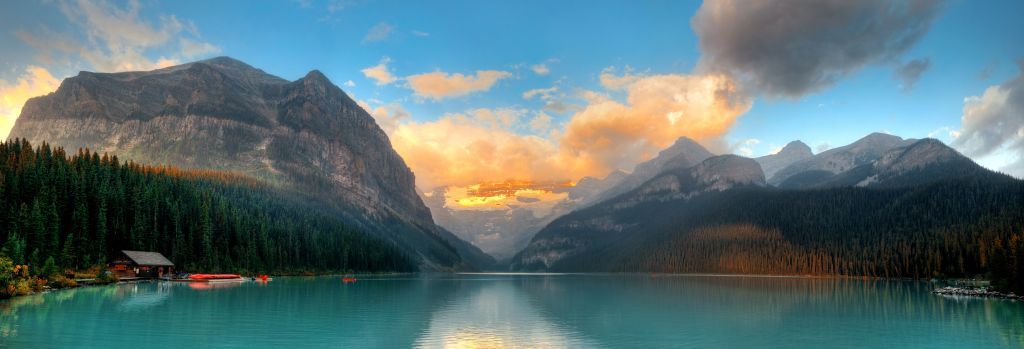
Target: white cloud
column 540, row 69
column 420, row 33
column 992, row 126
column 544, row 93
column 379, row 32
column 350, row 83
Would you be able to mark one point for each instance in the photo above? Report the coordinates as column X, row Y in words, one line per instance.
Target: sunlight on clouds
column 484, row 145
column 609, row 135
column 439, row 85
column 470, row 148
column 35, row 82
column 380, row 73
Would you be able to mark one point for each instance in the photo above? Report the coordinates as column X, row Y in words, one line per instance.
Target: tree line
column 72, row 211
column 963, row 228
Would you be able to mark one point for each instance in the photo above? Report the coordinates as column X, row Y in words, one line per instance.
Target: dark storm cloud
column 794, row 47
column 908, row 73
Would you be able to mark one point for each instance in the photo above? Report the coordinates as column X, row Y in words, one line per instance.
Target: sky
column 473, row 91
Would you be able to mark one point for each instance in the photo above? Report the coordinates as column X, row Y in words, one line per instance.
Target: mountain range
column 851, row 210
column 880, row 206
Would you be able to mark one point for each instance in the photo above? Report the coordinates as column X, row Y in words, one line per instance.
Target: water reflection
column 495, row 314
column 466, row 311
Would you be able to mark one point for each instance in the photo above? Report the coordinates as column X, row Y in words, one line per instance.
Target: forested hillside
column 955, row 228
column 79, row 209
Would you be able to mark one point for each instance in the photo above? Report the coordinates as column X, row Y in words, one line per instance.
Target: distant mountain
column 833, row 161
column 588, row 187
column 791, row 153
column 306, row 135
column 714, row 174
column 916, row 208
column 921, row 162
column 682, row 154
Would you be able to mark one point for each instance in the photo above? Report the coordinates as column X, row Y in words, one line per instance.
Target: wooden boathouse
column 141, row 264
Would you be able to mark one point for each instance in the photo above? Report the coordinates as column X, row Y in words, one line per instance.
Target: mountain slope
column 832, row 161
column 600, row 230
column 921, row 162
column 305, row 135
column 930, row 212
column 682, row 154
column 791, row 153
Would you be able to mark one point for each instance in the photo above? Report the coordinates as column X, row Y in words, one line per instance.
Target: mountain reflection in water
column 520, row 310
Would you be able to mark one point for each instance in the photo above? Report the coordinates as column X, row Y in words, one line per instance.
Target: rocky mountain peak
column 916, row 155
column 796, row 148
column 222, row 114
column 726, row 171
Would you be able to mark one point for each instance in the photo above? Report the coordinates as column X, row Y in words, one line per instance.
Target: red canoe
column 213, row 276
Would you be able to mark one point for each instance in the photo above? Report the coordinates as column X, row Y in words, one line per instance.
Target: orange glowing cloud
column 439, row 85
column 608, row 135
column 35, row 82
column 493, row 145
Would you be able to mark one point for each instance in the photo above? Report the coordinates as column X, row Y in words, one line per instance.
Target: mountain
column 833, row 161
column 305, row 135
column 714, row 174
column 683, row 153
column 921, row 162
column 792, row 152
column 927, row 212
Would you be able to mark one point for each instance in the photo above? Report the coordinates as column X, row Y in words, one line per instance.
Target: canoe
column 214, row 276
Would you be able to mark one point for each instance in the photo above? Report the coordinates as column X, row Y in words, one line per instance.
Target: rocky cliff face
column 223, row 114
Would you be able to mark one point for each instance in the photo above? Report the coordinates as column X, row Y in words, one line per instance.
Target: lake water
column 484, row 311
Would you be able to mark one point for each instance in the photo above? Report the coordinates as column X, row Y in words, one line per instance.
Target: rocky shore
column 975, row 292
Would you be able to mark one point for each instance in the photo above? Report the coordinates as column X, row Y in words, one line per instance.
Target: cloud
column 992, row 124
column 606, row 134
column 792, row 48
column 388, row 116
column 541, row 123
column 822, row 147
column 540, row 69
column 483, row 150
column 379, row 32
column 35, row 81
column 744, row 147
column 420, row 33
column 440, row 85
column 380, row 73
column 350, row 83
column 117, row 39
column 908, row 73
column 544, row 93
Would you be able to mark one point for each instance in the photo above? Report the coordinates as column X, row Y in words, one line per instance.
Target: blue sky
column 970, row 46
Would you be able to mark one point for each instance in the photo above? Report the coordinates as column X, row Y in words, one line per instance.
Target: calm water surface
column 589, row 311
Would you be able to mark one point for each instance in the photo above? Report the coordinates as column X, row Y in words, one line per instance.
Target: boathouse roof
column 148, row 258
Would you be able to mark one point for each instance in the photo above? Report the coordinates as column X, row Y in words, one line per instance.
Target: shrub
column 106, row 277
column 61, row 281
column 14, row 279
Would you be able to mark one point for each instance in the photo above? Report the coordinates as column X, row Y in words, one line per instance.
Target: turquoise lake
column 503, row 310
